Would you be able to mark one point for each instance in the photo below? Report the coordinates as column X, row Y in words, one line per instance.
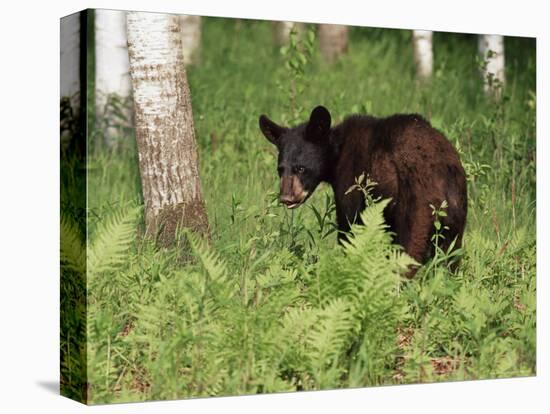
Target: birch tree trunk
column 491, row 49
column 281, row 31
column 164, row 127
column 333, row 39
column 423, row 53
column 73, row 75
column 112, row 74
column 70, row 60
column 190, row 27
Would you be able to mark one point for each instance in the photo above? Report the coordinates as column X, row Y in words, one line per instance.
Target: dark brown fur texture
column 411, row 162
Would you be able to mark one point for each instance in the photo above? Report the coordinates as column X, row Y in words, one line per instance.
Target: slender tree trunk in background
column 491, row 48
column 190, row 27
column 112, row 74
column 70, row 60
column 73, row 92
column 423, row 53
column 164, row 127
column 333, row 39
column 281, row 31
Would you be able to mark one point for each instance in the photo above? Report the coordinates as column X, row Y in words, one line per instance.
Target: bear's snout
column 292, row 191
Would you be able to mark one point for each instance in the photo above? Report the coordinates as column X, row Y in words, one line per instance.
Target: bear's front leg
column 348, row 213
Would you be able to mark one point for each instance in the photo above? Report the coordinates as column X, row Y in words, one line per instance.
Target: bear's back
column 408, row 140
column 404, row 155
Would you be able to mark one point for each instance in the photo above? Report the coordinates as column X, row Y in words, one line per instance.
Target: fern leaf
column 212, row 263
column 72, row 251
column 370, row 235
column 111, row 241
column 328, row 338
column 296, row 323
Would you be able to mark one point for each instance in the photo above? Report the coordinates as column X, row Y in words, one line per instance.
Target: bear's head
column 303, row 154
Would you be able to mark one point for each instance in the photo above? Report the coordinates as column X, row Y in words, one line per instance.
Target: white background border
column 29, row 306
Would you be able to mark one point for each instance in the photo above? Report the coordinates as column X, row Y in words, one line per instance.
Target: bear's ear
column 318, row 126
column 271, row 130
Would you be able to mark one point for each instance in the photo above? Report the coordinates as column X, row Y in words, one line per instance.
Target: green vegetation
column 272, row 304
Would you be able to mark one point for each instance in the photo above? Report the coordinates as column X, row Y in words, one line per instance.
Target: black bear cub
column 411, row 162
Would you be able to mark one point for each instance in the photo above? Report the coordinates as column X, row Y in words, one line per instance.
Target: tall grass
column 273, row 304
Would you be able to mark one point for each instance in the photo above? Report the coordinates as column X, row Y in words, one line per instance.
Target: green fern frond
column 72, row 251
column 295, row 325
column 111, row 241
column 212, row 263
column 372, row 234
column 327, row 339
column 367, row 279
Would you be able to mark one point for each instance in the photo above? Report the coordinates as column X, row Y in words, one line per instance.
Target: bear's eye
column 300, row 170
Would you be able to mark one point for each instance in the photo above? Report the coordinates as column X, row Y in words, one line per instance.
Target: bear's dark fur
column 411, row 162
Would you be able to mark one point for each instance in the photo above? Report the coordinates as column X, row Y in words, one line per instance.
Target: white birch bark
column 190, row 27
column 423, row 53
column 70, row 60
column 164, row 127
column 112, row 72
column 281, row 31
column 491, row 49
column 333, row 40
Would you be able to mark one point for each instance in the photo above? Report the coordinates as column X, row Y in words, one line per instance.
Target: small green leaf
column 349, row 190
